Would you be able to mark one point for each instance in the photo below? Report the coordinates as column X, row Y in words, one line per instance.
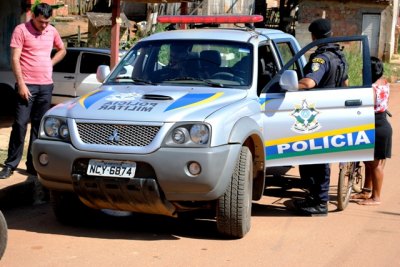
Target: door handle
column 353, row 103
column 69, row 77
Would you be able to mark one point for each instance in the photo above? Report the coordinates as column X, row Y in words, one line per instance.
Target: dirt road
column 357, row 236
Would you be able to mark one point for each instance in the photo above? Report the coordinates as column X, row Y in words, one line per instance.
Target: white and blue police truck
column 190, row 119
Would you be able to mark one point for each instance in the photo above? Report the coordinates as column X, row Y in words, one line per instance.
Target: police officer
column 327, row 68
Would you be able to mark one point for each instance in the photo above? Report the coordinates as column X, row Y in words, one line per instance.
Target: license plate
column 121, row 169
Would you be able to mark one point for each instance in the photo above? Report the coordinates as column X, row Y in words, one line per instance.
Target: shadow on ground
column 21, row 214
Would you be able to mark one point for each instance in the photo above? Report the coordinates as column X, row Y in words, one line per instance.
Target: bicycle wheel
column 358, row 183
column 3, row 234
column 345, row 184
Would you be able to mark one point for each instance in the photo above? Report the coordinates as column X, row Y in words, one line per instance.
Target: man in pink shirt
column 31, row 46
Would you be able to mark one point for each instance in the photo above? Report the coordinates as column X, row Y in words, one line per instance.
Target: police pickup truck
column 190, row 119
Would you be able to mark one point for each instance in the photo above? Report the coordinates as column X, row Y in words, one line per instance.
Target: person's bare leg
column 368, row 174
column 377, row 181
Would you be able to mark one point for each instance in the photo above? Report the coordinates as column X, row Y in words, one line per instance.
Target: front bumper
column 166, row 166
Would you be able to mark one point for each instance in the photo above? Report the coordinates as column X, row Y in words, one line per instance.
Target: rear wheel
column 345, row 184
column 234, row 207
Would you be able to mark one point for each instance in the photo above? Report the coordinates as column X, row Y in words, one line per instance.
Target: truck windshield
column 183, row 62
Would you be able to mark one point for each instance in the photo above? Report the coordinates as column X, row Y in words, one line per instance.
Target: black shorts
column 383, row 137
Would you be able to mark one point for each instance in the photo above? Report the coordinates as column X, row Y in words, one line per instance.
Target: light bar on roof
column 215, row 19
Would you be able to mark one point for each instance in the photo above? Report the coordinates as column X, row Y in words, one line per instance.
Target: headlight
column 56, row 128
column 180, row 135
column 189, row 135
column 199, row 134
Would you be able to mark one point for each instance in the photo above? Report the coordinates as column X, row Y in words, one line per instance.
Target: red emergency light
column 215, row 19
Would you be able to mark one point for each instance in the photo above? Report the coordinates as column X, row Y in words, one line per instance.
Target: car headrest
column 211, row 56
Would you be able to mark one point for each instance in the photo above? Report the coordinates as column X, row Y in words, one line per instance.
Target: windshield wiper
column 134, row 80
column 187, row 78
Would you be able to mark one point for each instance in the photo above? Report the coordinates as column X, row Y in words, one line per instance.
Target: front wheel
column 234, row 207
column 68, row 209
column 345, row 184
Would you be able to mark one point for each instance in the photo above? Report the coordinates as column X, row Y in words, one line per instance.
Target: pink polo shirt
column 36, row 51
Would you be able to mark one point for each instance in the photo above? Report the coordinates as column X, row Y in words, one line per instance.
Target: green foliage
column 353, row 56
column 139, row 35
column 37, row 2
column 354, row 60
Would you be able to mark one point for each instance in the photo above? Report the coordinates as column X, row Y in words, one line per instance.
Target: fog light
column 194, row 168
column 44, row 159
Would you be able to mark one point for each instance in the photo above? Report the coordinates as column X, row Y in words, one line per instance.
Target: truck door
column 273, row 55
column 286, row 49
column 321, row 125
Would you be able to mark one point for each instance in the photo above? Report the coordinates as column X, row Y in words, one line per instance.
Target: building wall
column 217, row 7
column 272, row 3
column 391, row 28
column 346, row 18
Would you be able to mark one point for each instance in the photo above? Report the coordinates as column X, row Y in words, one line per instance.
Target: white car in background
column 75, row 75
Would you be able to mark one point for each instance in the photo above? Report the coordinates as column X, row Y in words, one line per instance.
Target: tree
column 37, row 2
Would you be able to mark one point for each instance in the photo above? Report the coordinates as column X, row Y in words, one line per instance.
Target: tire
column 3, row 234
column 233, row 214
column 67, row 208
column 345, row 184
column 359, row 179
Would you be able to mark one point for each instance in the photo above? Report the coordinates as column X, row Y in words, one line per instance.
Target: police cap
column 321, row 28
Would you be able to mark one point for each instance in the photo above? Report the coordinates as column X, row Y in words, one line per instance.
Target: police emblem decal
column 315, row 67
column 306, row 118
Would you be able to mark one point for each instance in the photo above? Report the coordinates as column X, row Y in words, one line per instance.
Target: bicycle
column 351, row 179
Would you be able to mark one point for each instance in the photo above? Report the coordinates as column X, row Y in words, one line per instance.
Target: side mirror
column 289, row 80
column 102, row 73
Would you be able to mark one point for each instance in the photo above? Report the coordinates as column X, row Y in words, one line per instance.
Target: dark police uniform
column 328, row 68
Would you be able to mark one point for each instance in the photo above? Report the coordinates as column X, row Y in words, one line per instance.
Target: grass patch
column 3, row 155
column 391, row 71
column 353, row 57
column 4, row 152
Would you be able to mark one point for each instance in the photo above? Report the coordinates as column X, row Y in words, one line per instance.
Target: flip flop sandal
column 360, row 196
column 369, row 202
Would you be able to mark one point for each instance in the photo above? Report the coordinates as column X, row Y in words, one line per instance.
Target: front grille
column 117, row 134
